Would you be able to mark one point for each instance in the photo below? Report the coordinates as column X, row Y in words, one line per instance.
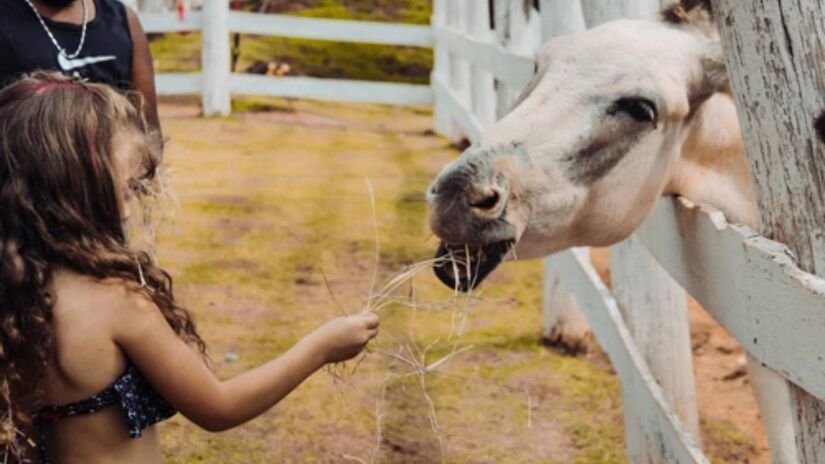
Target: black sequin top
column 142, row 407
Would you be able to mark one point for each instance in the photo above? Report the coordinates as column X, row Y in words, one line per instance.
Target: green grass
column 371, row 62
column 402, row 11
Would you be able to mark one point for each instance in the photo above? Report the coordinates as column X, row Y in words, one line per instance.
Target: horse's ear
column 697, row 13
column 714, row 76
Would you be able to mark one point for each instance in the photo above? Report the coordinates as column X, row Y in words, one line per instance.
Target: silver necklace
column 60, row 50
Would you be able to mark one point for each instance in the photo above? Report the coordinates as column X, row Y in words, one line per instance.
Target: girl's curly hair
column 59, row 207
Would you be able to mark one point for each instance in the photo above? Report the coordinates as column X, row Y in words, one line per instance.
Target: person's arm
column 181, row 376
column 143, row 69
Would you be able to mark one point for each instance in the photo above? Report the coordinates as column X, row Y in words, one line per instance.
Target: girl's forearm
column 255, row 391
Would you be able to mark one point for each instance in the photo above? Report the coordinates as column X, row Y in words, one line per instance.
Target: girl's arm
column 180, row 375
column 143, row 70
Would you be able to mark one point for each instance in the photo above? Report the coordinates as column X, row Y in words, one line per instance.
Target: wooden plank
column 465, row 118
column 215, row 59
column 482, row 81
column 442, row 118
column 155, row 23
column 178, row 83
column 563, row 324
column 331, row 29
column 640, row 390
column 655, row 311
column 598, row 11
column 331, row 89
column 750, row 284
column 459, row 79
column 775, row 50
column 560, row 17
column 518, row 31
column 510, row 68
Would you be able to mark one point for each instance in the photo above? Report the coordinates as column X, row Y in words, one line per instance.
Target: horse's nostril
column 488, row 202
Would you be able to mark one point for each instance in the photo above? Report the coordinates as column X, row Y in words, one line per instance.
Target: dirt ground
column 272, row 233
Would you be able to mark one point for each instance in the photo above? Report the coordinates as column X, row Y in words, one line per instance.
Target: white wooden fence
column 215, row 83
column 746, row 282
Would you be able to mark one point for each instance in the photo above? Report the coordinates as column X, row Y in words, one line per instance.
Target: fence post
column 518, row 29
column 483, row 85
column 654, row 307
column 215, row 58
column 459, row 81
column 443, row 121
column 560, row 17
column 775, row 50
column 599, row 11
column 563, row 323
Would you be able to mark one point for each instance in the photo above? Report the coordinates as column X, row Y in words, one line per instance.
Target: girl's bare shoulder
column 106, row 297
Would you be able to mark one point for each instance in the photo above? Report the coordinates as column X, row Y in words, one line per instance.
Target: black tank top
column 25, row 46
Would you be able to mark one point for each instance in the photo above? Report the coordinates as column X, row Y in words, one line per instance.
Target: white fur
column 700, row 157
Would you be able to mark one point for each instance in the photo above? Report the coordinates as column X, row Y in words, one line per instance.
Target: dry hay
column 403, row 350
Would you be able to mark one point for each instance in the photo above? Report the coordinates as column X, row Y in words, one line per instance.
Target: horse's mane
column 684, row 11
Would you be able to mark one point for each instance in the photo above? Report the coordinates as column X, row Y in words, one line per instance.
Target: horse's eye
column 640, row 109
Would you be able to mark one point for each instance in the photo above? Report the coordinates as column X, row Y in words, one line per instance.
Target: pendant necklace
column 64, row 57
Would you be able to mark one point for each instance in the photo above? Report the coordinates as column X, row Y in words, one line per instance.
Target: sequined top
column 142, row 407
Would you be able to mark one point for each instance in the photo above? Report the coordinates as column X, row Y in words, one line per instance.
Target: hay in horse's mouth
column 463, row 268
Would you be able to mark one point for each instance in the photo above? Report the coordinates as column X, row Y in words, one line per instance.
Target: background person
column 97, row 40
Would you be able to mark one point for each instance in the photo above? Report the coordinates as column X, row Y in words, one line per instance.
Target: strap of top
column 142, row 406
column 97, row 402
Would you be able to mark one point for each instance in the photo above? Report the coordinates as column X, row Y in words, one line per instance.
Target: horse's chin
column 463, row 268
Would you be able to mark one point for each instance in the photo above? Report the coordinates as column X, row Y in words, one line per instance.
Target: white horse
column 615, row 117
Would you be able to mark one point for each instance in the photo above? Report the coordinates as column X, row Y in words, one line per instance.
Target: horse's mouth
column 463, row 267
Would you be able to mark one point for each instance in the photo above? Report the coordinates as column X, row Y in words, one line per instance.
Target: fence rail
column 331, row 29
column 745, row 280
column 639, row 387
column 225, row 22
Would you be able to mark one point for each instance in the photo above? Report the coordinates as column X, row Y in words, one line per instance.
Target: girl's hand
column 344, row 337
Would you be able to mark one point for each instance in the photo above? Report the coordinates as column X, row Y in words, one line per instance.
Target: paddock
column 271, row 199
column 291, row 206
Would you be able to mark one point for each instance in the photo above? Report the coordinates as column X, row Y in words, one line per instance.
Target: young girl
column 94, row 348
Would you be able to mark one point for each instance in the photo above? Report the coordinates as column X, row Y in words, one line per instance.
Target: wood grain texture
column 775, row 51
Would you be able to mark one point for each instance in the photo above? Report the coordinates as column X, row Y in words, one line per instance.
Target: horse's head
column 588, row 148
